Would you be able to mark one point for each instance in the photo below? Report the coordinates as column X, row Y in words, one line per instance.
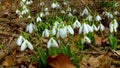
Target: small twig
column 9, row 34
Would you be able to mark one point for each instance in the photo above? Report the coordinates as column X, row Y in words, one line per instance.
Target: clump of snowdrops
column 56, row 29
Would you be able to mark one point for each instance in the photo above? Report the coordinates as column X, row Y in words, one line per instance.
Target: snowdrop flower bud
column 19, row 40
column 70, row 29
column 90, row 29
column 47, row 13
column 23, row 0
column 42, row 3
column 116, row 13
column 94, row 27
column 108, row 14
column 45, row 33
column 76, row 24
column 46, row 9
column 52, row 43
column 70, row 15
column 42, row 14
column 98, row 18
column 53, row 5
column 26, row 44
column 38, row 19
column 54, row 30
column 85, row 28
column 17, row 11
column 30, row 28
column 113, row 26
column 63, row 32
column 63, row 12
column 101, row 27
column 87, row 39
column 89, row 17
column 85, row 11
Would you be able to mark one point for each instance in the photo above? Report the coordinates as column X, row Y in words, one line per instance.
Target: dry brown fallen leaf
column 102, row 61
column 59, row 61
column 98, row 40
column 9, row 61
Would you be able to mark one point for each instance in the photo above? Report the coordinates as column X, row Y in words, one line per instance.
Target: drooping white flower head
column 113, row 26
column 98, row 18
column 89, row 17
column 45, row 33
column 42, row 14
column 87, row 39
column 94, row 27
column 70, row 29
column 30, row 28
column 20, row 40
column 85, row 28
column 29, row 2
column 42, row 3
column 38, row 19
column 23, row 0
column 101, row 27
column 63, row 32
column 76, row 24
column 54, row 30
column 52, row 43
column 55, row 5
column 70, row 14
column 85, row 12
column 26, row 44
column 116, row 13
column 108, row 14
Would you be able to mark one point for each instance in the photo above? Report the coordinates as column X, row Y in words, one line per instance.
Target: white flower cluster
column 25, row 9
column 113, row 26
column 21, row 41
column 55, row 5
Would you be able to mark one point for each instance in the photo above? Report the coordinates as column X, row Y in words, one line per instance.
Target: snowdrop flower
column 63, row 12
column 42, row 14
column 70, row 15
column 76, row 24
column 116, row 13
column 54, row 30
column 46, row 9
column 30, row 28
column 113, row 26
column 26, row 44
column 29, row 2
column 68, row 9
column 55, row 5
column 17, row 11
column 19, row 40
column 108, row 14
column 89, row 17
column 70, row 29
column 94, row 27
column 85, row 11
column 116, row 4
column 87, row 39
column 41, row 3
column 23, row 0
column 85, row 28
column 52, row 43
column 101, row 27
column 98, row 18
column 62, row 32
column 38, row 19
column 47, row 13
column 45, row 33
column 29, row 16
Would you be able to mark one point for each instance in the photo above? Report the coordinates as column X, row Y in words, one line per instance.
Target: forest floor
column 11, row 26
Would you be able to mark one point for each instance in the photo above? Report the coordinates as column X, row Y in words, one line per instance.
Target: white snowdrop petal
column 54, row 30
column 70, row 30
column 85, row 29
column 55, row 44
column 87, row 40
column 46, row 33
column 30, row 46
column 24, row 45
column 80, row 29
column 58, row 33
column 49, row 44
column 19, row 40
column 30, row 28
column 98, row 18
